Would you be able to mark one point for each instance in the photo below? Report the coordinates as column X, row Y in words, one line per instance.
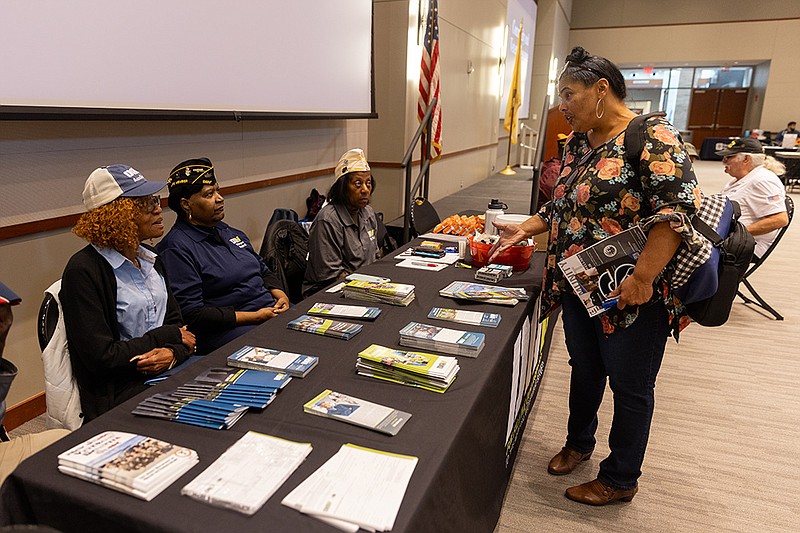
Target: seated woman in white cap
column 343, row 237
column 123, row 325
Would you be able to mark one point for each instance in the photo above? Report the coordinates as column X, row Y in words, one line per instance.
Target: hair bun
column 578, row 55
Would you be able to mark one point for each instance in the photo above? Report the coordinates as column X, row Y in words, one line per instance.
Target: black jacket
column 100, row 361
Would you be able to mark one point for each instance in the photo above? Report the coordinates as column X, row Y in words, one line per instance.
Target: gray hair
column 768, row 162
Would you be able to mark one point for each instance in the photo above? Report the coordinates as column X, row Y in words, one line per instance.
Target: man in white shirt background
column 757, row 188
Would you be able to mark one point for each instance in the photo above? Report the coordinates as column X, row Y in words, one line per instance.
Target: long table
column 466, row 439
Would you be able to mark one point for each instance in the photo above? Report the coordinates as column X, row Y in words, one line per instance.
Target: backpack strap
column 634, row 138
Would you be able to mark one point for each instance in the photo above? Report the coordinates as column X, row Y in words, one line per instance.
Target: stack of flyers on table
column 257, row 358
column 325, row 326
column 386, row 292
column 356, row 488
column 217, row 398
column 455, row 341
column 344, row 311
column 248, row 473
column 416, row 369
column 134, row 464
column 467, row 290
column 359, row 412
column 593, row 273
column 475, row 318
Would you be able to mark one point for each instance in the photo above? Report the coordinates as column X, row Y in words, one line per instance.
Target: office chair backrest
column 285, row 250
column 423, row 216
column 48, row 320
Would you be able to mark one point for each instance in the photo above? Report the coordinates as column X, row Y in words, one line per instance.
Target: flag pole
column 508, row 171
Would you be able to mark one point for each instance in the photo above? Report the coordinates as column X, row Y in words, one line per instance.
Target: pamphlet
column 248, row 473
column 325, row 326
column 267, row 359
column 362, row 486
column 344, row 311
column 474, row 318
column 359, row 412
column 134, row 464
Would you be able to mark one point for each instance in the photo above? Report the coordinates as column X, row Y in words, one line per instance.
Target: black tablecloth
column 711, row 145
column 459, row 436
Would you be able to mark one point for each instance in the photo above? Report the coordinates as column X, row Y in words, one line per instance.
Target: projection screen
column 273, row 57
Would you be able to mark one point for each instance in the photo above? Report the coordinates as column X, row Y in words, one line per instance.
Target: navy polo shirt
column 214, row 272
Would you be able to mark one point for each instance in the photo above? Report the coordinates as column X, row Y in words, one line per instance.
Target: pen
column 431, row 265
column 608, row 304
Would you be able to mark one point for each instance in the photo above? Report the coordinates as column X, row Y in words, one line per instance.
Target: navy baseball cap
column 746, row 145
column 106, row 184
column 7, row 296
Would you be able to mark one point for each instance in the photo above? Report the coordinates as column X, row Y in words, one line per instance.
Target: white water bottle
column 495, row 208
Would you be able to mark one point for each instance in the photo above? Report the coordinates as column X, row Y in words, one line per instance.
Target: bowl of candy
column 517, row 257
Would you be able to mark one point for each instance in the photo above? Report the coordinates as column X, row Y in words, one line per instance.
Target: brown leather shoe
column 598, row 493
column 566, row 460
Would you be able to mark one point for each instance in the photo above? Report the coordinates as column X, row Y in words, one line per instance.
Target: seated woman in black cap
column 123, row 326
column 221, row 283
column 343, row 237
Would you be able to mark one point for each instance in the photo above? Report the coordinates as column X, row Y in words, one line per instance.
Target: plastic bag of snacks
column 460, row 225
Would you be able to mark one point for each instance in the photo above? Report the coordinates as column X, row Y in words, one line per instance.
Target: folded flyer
column 475, row 318
column 258, row 358
column 344, row 311
column 355, row 411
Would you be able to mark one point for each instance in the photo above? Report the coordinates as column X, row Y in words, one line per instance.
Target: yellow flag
column 514, row 95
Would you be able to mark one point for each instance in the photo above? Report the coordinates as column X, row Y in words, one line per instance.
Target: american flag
column 429, row 79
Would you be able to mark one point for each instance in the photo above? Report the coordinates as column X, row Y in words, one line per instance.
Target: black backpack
column 711, row 288
column 285, row 250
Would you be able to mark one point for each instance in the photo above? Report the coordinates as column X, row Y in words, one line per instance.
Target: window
column 670, row 89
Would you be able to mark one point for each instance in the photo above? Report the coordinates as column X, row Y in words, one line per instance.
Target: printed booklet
column 493, row 294
column 386, row 292
column 344, row 311
column 596, row 271
column 258, row 358
column 134, row 464
column 416, row 369
column 455, row 341
column 474, row 318
column 248, row 473
column 325, row 326
column 352, row 410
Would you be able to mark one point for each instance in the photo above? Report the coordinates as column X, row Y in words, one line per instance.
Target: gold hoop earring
column 597, row 112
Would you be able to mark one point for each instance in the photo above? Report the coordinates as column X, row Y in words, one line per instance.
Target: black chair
column 756, row 298
column 423, row 217
column 285, row 251
column 48, row 319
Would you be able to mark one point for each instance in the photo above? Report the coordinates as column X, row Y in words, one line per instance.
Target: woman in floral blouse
column 600, row 194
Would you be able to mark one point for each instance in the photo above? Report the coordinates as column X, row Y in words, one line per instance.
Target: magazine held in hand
column 594, row 273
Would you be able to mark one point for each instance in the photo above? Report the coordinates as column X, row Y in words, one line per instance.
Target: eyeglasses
column 150, row 203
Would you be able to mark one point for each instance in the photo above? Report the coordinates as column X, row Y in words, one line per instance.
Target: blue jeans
column 630, row 358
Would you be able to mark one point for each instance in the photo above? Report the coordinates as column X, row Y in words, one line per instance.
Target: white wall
column 711, row 44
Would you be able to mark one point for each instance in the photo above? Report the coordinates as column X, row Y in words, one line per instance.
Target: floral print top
column 599, row 194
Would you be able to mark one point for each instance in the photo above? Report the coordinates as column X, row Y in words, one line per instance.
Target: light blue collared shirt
column 141, row 294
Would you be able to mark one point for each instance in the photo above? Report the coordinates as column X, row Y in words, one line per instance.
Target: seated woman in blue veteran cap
column 343, row 237
column 223, row 286
column 122, row 323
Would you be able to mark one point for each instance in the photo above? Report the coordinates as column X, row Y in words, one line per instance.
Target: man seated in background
column 790, row 129
column 13, row 452
column 757, row 188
